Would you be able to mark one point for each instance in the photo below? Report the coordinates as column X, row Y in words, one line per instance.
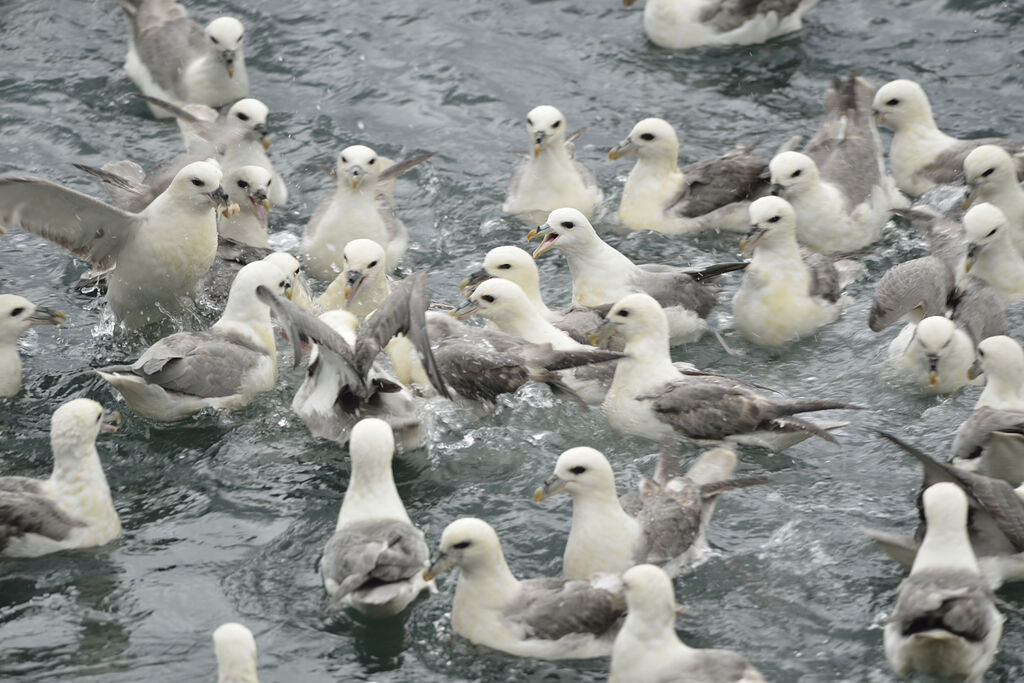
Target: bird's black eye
column 282, row 283
column 270, row 181
column 17, row 311
column 579, row 469
column 647, row 136
column 774, row 219
column 461, row 545
column 987, row 173
column 488, row 298
column 99, row 417
column 991, row 232
column 505, row 266
column 197, row 182
column 215, row 41
column 372, row 264
column 296, row 273
column 624, row 313
column 241, row 37
column 796, row 173
column 528, row 121
column 981, row 353
column 371, row 161
column 568, row 225
column 893, row 102
column 344, row 160
column 242, row 116
column 242, row 184
column 556, row 124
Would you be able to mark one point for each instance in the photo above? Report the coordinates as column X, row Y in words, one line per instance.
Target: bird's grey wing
column 846, row 148
column 922, row 284
column 672, row 289
column 579, row 321
column 553, row 608
column 403, row 312
column 401, row 167
column 948, row 165
column 126, row 189
column 726, row 15
column 708, row 185
column 166, row 41
column 377, row 550
column 88, row 228
column 478, row 373
column 970, row 438
column 24, row 510
column 958, row 602
column 201, row 364
column 945, row 235
column 704, row 410
column 589, row 181
column 304, row 327
column 824, row 276
column 671, row 522
column 978, row 308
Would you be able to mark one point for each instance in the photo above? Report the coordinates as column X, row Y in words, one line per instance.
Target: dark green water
column 225, row 516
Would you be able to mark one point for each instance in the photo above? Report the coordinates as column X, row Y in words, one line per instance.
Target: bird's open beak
column 229, row 61
column 47, row 316
column 753, row 238
column 471, row 282
column 260, row 206
column 552, row 485
column 933, row 370
column 601, row 332
column 972, row 257
column 468, row 308
column 442, row 563
column 969, row 196
column 540, row 141
column 975, row 371
column 623, row 149
column 357, row 175
column 547, row 243
column 353, row 284
column 110, row 421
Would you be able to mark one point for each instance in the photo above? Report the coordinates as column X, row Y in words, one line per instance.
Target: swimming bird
column 683, row 24
column 937, row 355
column 363, row 284
column 712, row 194
column 71, row 509
column 995, row 525
column 375, row 560
column 236, row 654
column 173, row 58
column 666, row 521
column 991, row 440
column 991, row 255
column 921, row 155
column 358, row 207
column 551, row 177
column 223, row 367
column 837, row 185
column 159, row 255
column 785, row 294
column 651, row 398
column 516, row 265
column 603, row 275
column 552, row 618
column 647, row 649
column 992, row 177
column 248, row 187
column 17, row 314
column 945, row 622
column 343, row 382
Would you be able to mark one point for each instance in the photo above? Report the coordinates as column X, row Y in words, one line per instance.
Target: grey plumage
column 948, row 166
column 165, row 39
column 945, row 235
column 978, row 309
column 958, row 602
column 369, row 557
column 688, row 288
column 991, row 442
column 709, row 185
column 920, row 288
column 554, row 608
column 726, row 15
column 826, row 282
column 25, row 510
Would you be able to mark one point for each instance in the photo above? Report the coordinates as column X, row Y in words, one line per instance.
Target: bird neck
column 78, row 476
column 10, row 369
column 485, row 584
column 650, row 348
column 597, row 271
column 248, row 319
column 654, row 625
column 946, row 546
column 1003, row 390
column 371, row 494
column 237, row 670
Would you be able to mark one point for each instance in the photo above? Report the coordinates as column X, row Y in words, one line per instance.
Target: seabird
column 683, row 24
column 838, row 186
column 236, row 654
column 1002, row 360
column 651, row 398
column 343, row 383
column 785, row 294
column 936, row 355
column 17, row 314
column 358, row 207
column 550, row 178
column 363, row 283
column 516, row 265
column 173, row 58
column 991, row 254
column 665, row 523
column 713, row 194
column 921, row 155
column 603, row 275
column 992, row 177
column 375, row 560
column 159, row 255
column 995, row 525
column 223, row 367
column 647, row 649
column 71, row 509
column 945, row 622
column 552, row 618
column 248, row 188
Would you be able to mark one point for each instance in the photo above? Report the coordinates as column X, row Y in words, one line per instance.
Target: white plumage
column 991, row 254
column 236, row 654
column 17, row 314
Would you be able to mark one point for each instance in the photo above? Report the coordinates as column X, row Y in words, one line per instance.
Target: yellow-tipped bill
column 47, row 316
column 624, row 148
column 552, row 485
column 110, row 421
column 442, row 563
column 601, row 332
column 933, row 378
column 266, row 142
column 969, row 198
